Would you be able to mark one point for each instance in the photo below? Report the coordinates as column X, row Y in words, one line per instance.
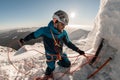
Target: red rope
column 9, row 60
column 26, row 73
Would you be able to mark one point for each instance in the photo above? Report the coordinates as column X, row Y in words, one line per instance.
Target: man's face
column 60, row 26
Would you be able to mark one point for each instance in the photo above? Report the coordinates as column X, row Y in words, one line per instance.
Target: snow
column 29, row 61
column 107, row 26
column 107, row 22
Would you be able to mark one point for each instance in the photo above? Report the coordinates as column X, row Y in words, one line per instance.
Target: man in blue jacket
column 54, row 36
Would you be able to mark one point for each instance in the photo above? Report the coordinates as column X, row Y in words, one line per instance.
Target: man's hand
column 22, row 42
column 81, row 52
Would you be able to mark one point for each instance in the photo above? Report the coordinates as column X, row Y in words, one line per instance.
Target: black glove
column 22, row 42
column 81, row 52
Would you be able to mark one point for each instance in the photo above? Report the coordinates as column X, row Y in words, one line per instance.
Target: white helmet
column 61, row 16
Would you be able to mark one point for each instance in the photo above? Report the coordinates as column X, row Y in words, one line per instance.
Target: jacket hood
column 52, row 27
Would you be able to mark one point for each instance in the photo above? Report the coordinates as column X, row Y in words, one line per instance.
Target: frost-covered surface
column 107, row 23
column 107, row 26
column 29, row 61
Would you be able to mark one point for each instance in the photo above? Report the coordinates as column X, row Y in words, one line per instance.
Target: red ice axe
column 96, row 71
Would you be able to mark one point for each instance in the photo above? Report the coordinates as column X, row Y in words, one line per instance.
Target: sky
column 35, row 13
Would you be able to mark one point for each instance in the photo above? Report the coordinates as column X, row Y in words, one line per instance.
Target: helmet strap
column 56, row 24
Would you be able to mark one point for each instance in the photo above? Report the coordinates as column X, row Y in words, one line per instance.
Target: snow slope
column 31, row 59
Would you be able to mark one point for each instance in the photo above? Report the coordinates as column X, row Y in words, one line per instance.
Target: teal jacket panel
column 60, row 37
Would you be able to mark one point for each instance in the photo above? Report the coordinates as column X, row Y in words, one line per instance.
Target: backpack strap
column 55, row 42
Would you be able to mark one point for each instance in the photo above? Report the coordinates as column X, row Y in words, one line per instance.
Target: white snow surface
column 107, row 26
column 29, row 61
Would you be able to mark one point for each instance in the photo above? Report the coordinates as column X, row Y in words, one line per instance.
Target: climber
column 54, row 36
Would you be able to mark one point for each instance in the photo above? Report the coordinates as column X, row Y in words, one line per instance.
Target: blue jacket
column 48, row 39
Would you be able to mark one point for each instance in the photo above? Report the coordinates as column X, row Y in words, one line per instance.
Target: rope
column 56, row 44
column 26, row 73
column 9, row 60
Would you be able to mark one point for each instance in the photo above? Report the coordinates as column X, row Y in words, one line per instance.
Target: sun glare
column 72, row 14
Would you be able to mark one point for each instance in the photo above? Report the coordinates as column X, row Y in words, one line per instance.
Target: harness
column 57, row 46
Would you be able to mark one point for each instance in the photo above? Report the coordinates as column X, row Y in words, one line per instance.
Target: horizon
column 30, row 13
column 85, row 27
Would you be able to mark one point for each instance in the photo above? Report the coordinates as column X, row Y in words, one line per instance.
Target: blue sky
column 30, row 13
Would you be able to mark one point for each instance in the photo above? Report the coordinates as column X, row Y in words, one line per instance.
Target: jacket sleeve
column 68, row 43
column 34, row 35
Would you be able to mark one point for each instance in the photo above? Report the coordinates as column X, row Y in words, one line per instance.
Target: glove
column 22, row 42
column 81, row 52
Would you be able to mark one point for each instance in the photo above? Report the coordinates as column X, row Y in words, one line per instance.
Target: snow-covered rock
column 107, row 26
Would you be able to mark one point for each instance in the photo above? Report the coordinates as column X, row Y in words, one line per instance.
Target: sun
column 72, row 14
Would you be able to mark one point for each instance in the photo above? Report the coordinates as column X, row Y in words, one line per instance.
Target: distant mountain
column 10, row 38
column 78, row 34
